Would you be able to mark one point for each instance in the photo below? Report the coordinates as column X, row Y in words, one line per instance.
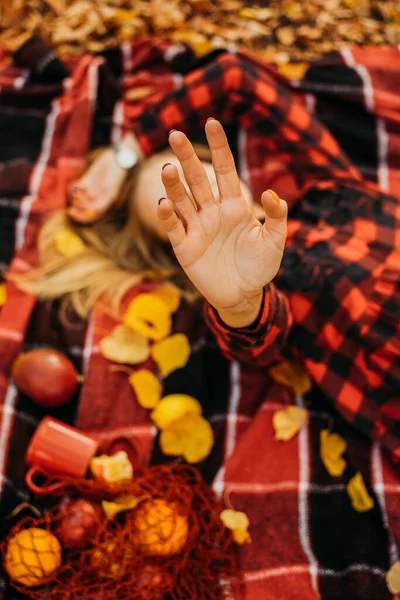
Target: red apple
column 46, row 376
column 79, row 522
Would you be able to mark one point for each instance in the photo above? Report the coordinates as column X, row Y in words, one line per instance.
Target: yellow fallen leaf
column 124, row 346
column 238, row 523
column 358, row 493
column 171, row 354
column 393, row 578
column 68, row 243
column 292, row 375
column 121, row 504
column 146, row 387
column 3, row 294
column 112, row 469
column 169, row 294
column 293, row 70
column 191, row 437
column 288, row 422
column 149, row 315
column 173, row 408
column 332, row 446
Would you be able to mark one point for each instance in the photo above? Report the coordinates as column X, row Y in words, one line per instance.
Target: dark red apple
column 46, row 376
column 79, row 522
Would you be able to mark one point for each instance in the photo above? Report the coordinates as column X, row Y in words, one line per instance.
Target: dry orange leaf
column 358, row 493
column 393, row 578
column 124, row 346
column 332, row 446
column 238, row 523
column 138, row 93
column 293, row 70
column 171, row 354
column 191, row 437
column 68, row 243
column 3, row 294
column 112, row 469
column 146, row 387
column 173, row 408
column 149, row 315
column 288, row 422
column 292, row 375
column 169, row 294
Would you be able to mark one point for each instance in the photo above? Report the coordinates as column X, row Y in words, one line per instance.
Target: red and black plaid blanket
column 338, row 132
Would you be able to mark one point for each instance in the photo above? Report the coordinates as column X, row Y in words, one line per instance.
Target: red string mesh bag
column 172, row 545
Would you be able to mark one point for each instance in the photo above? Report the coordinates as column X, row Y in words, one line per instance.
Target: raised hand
column 225, row 251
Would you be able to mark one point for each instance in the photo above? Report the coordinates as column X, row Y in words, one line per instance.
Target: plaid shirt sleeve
column 261, row 342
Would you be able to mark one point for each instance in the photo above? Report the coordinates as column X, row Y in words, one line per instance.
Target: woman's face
column 149, row 189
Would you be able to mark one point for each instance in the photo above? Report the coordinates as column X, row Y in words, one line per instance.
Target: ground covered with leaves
column 279, row 30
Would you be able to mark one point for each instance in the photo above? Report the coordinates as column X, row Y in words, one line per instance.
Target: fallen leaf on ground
column 124, row 346
column 148, row 315
column 171, row 354
column 68, row 243
column 191, row 437
column 238, row 523
column 293, row 70
column 292, row 375
column 146, row 387
column 332, row 446
column 358, row 493
column 173, row 408
column 393, row 578
column 288, row 422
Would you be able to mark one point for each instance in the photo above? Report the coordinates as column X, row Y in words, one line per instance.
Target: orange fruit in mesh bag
column 32, row 556
column 159, row 529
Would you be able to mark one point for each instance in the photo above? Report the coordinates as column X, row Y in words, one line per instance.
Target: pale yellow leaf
column 393, row 578
column 173, row 408
column 171, row 353
column 238, row 523
column 149, row 315
column 112, row 469
column 292, row 375
column 191, row 437
column 288, row 422
column 146, row 387
column 125, row 347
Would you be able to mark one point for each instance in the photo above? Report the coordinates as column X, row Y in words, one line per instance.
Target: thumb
column 276, row 210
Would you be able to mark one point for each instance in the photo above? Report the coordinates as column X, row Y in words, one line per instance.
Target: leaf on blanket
column 120, row 504
column 148, row 315
column 191, row 437
column 68, row 243
column 138, row 93
column 125, row 346
column 293, row 70
column 393, row 578
column 292, row 375
column 174, row 407
column 171, row 354
column 238, row 523
column 169, row 294
column 3, row 294
column 147, row 388
column 358, row 493
column 112, row 469
column 332, row 446
column 288, row 422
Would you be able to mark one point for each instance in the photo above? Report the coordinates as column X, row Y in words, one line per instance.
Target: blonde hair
column 119, row 253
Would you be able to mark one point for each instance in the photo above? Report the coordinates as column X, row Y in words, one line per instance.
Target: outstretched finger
column 195, row 174
column 171, row 223
column 223, row 162
column 275, row 215
column 176, row 192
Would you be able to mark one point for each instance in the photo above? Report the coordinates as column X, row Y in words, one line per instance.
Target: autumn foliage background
column 281, row 31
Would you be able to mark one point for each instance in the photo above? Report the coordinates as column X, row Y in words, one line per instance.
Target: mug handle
column 41, row 490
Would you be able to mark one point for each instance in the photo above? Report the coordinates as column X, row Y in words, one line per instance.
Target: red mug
column 58, row 449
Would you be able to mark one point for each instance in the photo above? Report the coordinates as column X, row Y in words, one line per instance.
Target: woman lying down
column 327, row 302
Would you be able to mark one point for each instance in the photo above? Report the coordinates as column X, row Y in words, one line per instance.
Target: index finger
column 223, row 162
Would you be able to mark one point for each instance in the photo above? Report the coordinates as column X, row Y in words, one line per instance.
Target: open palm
column 225, row 251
